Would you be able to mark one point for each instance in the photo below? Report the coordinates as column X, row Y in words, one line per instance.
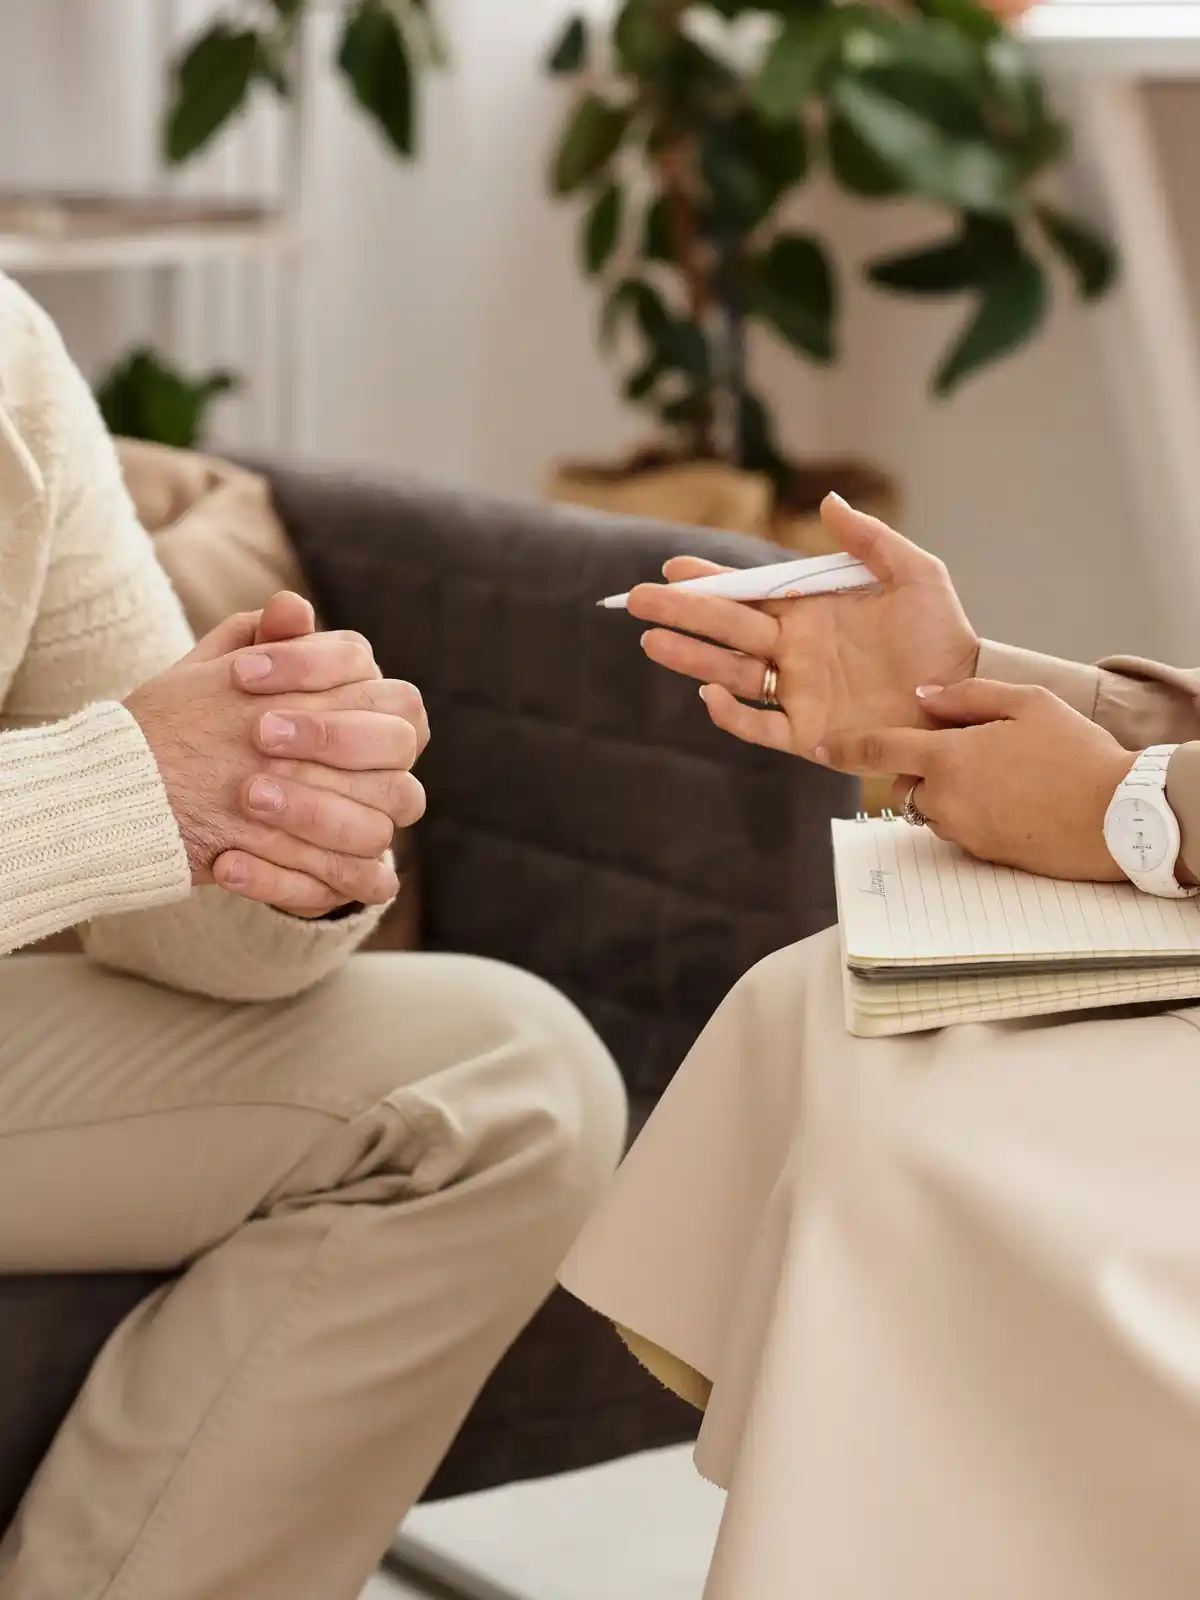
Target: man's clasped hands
column 287, row 760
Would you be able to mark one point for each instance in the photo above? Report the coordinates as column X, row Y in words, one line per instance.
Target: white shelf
column 1124, row 38
column 144, row 247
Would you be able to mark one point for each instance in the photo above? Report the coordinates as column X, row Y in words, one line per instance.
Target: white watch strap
column 1150, row 769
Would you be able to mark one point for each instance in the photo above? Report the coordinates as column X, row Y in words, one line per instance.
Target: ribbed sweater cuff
column 85, row 825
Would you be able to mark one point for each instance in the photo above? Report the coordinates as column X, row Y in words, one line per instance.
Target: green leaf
column 1041, row 148
column 958, row 172
column 643, row 301
column 591, row 138
column 945, row 268
column 602, row 226
column 739, row 197
column 143, row 398
column 954, row 108
column 680, row 345
column 642, row 383
column 856, row 166
column 982, row 247
column 1010, row 311
column 211, row 86
column 690, row 78
column 642, row 34
column 1091, row 258
column 373, row 56
column 797, row 63
column 570, row 51
column 673, row 344
column 935, row 70
column 748, row 163
column 777, row 151
column 793, row 288
column 1012, row 75
column 657, row 242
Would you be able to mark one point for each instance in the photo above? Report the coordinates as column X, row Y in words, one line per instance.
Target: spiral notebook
column 930, row 937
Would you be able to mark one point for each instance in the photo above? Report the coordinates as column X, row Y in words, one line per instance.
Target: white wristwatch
column 1141, row 830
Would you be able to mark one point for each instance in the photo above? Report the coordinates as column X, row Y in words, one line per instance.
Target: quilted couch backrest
column 585, row 820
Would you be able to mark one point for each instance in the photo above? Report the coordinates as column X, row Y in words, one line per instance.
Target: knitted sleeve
column 85, row 815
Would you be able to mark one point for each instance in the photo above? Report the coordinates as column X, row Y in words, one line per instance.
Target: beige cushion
column 215, row 530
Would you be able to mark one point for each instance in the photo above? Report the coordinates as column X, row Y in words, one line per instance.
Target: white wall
column 447, row 330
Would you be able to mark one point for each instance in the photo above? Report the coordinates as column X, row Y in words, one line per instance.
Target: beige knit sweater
column 86, row 614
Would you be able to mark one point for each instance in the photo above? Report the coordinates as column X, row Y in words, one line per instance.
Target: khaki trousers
column 945, row 1288
column 370, row 1188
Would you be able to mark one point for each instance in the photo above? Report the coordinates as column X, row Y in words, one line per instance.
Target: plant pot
column 703, row 494
column 712, row 494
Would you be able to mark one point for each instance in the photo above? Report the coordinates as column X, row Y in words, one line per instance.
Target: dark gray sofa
column 585, row 822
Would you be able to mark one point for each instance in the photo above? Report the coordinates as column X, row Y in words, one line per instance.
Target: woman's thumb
column 888, row 554
column 973, row 700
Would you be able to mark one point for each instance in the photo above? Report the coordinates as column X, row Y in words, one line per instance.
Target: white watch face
column 1137, row 836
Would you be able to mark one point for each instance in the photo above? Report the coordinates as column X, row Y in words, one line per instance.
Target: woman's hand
column 1013, row 775
column 846, row 661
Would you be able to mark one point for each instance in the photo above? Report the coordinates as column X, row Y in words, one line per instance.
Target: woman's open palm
column 847, row 661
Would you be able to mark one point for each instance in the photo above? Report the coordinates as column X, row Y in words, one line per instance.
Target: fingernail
column 838, row 500
column 235, row 875
column 926, row 691
column 277, row 730
column 821, row 754
column 704, row 693
column 253, row 669
column 266, row 796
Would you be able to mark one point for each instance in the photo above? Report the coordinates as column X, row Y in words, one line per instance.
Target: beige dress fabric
column 946, row 1289
column 940, row 1294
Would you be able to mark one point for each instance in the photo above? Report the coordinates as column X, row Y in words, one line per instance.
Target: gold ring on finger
column 913, row 814
column 770, row 686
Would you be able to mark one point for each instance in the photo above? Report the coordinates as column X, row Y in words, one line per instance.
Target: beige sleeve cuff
column 86, row 829
column 1071, row 681
column 1183, row 796
column 216, row 944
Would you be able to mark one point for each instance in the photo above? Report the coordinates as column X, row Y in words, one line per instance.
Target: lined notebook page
column 907, row 898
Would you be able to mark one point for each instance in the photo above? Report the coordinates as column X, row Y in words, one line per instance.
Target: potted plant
column 692, row 128
column 381, row 49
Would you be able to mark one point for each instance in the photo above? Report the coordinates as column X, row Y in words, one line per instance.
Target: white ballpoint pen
column 785, row 580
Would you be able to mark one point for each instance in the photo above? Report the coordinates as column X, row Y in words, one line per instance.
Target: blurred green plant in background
column 694, row 124
column 382, row 47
